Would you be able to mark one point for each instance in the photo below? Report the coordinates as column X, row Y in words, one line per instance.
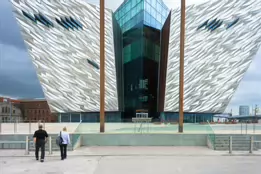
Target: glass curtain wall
column 117, row 34
column 141, row 22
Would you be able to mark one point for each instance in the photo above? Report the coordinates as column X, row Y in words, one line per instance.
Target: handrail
column 211, row 136
column 211, row 127
column 77, row 126
column 76, row 136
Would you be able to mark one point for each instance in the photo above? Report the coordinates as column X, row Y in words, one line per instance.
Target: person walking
column 65, row 141
column 40, row 138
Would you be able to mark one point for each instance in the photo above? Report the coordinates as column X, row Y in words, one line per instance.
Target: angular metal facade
column 222, row 37
column 62, row 38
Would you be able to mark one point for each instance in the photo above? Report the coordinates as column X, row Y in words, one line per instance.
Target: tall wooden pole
column 181, row 68
column 102, row 68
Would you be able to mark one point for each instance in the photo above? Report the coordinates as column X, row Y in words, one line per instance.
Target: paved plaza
column 130, row 160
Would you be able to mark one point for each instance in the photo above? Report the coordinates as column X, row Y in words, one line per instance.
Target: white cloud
column 248, row 92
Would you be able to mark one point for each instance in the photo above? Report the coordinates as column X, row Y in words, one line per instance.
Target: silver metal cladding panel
column 69, row 82
column 215, row 61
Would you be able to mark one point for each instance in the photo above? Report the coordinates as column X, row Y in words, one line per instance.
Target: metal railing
column 211, row 135
column 10, row 143
column 243, row 128
column 78, row 127
column 29, row 143
column 76, row 141
column 252, row 144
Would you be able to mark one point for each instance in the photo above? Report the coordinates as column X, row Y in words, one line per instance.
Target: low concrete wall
column 144, row 140
column 14, row 137
column 22, row 137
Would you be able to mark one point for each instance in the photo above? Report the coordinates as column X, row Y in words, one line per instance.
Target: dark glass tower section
column 141, row 22
column 117, row 34
column 163, row 63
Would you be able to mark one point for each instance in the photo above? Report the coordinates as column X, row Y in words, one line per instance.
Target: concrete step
column 237, row 149
column 233, row 142
column 233, row 145
column 239, row 142
column 233, row 137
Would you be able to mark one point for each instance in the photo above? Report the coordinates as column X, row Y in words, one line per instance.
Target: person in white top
column 65, row 141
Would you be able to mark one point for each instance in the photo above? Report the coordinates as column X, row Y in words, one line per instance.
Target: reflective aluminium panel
column 222, row 37
column 63, row 40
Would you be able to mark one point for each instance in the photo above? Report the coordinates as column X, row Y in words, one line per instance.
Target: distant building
column 244, row 110
column 9, row 111
column 35, row 110
column 25, row 110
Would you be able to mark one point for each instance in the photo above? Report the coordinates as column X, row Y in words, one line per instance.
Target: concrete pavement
column 131, row 151
column 134, row 151
column 132, row 160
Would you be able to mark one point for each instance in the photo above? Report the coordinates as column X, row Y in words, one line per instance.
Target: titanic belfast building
column 142, row 41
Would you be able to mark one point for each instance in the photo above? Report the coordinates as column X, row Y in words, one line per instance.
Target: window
column 143, row 84
column 67, row 23
column 62, row 24
column 71, row 23
column 40, row 20
column 128, row 6
column 29, row 16
column 76, row 22
column 95, row 65
column 13, row 111
column 139, row 7
column 3, row 109
column 45, row 19
column 143, row 98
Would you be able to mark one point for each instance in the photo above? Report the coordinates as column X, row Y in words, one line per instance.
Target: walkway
column 130, row 160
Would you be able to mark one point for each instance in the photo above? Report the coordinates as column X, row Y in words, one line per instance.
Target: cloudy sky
column 18, row 78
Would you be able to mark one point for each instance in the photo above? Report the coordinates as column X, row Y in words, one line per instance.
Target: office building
column 244, row 110
column 142, row 39
column 10, row 111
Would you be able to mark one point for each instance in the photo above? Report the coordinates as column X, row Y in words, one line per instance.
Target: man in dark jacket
column 40, row 138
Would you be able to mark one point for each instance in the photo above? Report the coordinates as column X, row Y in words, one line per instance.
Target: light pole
column 181, row 66
column 256, row 120
column 102, row 67
column 256, row 110
column 10, row 109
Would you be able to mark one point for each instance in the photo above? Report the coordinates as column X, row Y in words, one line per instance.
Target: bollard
column 30, row 127
column 27, row 145
column 241, row 128
column 14, row 128
column 15, row 125
column 251, row 144
column 230, row 144
column 50, row 146
column 246, row 128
